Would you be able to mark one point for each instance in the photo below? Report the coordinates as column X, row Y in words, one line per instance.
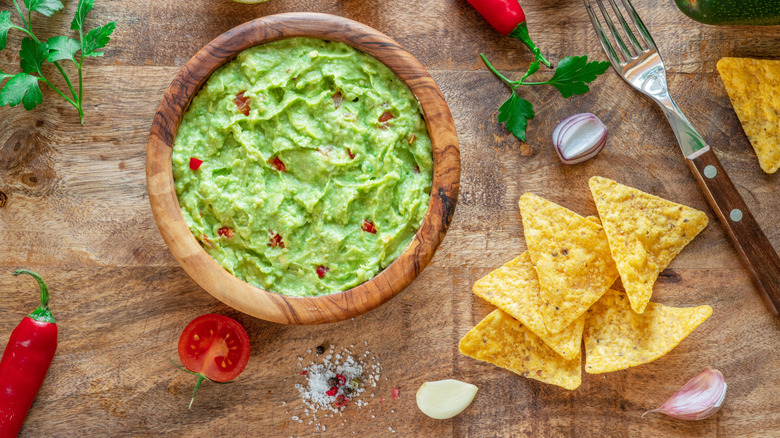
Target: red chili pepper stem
column 521, row 33
column 42, row 313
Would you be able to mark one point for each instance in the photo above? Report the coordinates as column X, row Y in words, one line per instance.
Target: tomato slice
column 214, row 346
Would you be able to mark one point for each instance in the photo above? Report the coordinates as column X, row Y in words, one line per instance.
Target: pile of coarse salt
column 360, row 372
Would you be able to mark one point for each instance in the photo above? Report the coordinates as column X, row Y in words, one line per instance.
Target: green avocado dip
column 303, row 166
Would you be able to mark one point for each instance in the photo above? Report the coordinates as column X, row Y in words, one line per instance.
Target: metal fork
column 639, row 63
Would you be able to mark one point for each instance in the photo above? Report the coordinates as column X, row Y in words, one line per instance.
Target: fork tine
column 639, row 25
column 613, row 57
column 638, row 48
column 623, row 49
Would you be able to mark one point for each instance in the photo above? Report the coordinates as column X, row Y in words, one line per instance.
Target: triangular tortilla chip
column 571, row 256
column 501, row 340
column 617, row 338
column 514, row 289
column 645, row 233
column 754, row 89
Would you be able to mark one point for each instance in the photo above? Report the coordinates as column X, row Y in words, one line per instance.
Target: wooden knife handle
column 760, row 258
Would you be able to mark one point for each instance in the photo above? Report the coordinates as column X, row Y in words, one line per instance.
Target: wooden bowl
column 250, row 299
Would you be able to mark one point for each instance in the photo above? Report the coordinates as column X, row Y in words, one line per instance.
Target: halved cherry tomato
column 214, row 347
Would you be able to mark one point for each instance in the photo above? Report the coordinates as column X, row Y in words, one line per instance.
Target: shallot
column 579, row 138
column 698, row 399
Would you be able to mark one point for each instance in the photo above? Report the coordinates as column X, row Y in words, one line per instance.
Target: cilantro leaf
column 62, row 47
column 574, row 72
column 32, row 56
column 44, row 7
column 22, row 88
column 515, row 113
column 97, row 38
column 5, row 26
column 81, row 14
column 4, row 75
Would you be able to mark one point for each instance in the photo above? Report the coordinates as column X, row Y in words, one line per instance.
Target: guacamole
column 303, row 166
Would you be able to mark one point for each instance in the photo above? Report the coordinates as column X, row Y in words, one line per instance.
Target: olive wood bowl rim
column 242, row 296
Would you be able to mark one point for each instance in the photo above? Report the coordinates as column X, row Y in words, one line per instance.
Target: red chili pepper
column 276, row 241
column 321, row 271
column 332, row 391
column 507, row 17
column 278, row 164
column 368, row 227
column 225, row 232
column 195, row 163
column 242, row 102
column 25, row 361
column 387, row 115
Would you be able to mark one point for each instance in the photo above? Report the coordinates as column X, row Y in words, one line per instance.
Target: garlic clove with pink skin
column 579, row 137
column 698, row 399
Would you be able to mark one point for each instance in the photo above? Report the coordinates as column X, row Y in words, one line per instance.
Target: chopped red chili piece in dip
column 387, row 115
column 195, row 163
column 242, row 102
column 351, row 155
column 321, row 271
column 337, row 98
column 278, row 164
column 276, row 241
column 368, row 227
column 225, row 232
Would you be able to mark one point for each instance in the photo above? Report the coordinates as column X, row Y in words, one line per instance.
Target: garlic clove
column 445, row 398
column 579, row 137
column 700, row 398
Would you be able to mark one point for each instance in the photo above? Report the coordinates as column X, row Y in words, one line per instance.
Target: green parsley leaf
column 62, row 47
column 97, row 38
column 574, row 72
column 5, row 26
column 44, row 7
column 533, row 68
column 81, row 14
column 515, row 113
column 22, row 88
column 32, row 56
column 4, row 75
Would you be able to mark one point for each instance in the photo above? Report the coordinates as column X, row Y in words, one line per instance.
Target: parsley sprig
column 570, row 78
column 23, row 87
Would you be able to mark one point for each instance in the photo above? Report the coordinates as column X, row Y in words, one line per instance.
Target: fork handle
column 760, row 258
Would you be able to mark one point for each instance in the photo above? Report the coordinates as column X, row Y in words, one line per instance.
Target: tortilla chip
column 514, row 289
column 617, row 338
column 754, row 89
column 501, row 340
column 644, row 232
column 572, row 260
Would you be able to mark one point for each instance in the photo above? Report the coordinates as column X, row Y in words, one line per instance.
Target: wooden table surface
column 78, row 213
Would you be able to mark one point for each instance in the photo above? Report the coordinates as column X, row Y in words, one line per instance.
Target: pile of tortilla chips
column 557, row 294
column 753, row 86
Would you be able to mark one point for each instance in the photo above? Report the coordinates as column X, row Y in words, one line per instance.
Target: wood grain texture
column 756, row 251
column 77, row 211
column 248, row 298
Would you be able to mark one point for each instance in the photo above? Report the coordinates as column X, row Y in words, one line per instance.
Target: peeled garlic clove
column 698, row 399
column 445, row 398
